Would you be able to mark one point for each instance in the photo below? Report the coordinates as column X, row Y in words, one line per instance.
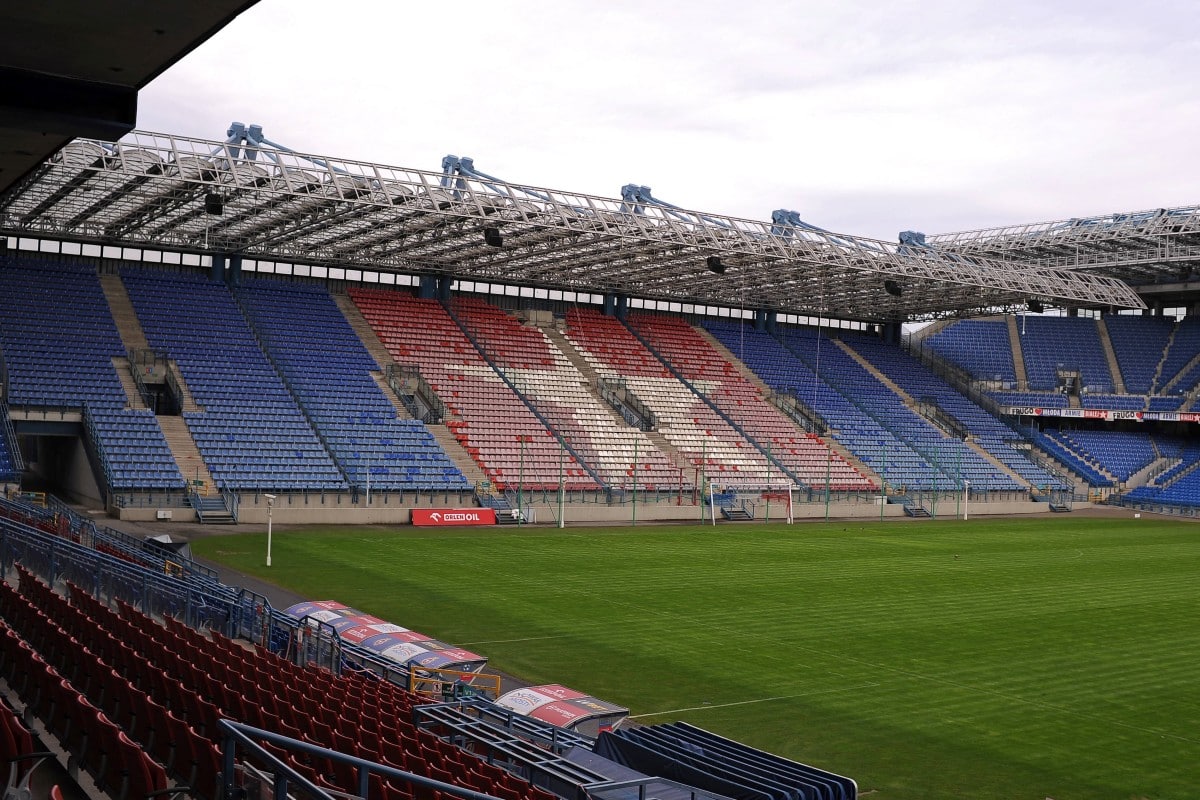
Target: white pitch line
column 751, row 702
column 526, row 639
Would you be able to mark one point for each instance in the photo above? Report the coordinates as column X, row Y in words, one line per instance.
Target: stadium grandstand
column 226, row 330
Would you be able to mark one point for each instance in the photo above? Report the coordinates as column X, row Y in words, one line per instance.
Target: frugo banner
column 453, row 516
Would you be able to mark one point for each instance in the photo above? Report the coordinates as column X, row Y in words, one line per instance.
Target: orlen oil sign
column 453, row 516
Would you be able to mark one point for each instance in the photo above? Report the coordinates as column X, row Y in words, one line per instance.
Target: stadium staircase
column 123, row 314
column 1018, row 355
column 124, row 371
column 370, row 340
column 1111, row 355
column 187, row 455
column 1162, row 362
column 1178, row 379
column 916, row 511
column 737, row 512
column 211, row 509
column 457, row 453
column 1147, row 473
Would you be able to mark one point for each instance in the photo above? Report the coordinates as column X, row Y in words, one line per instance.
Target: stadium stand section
column 1052, row 444
column 1119, row 453
column 1178, row 485
column 509, row 442
column 1185, row 345
column 1155, row 356
column 251, row 433
column 859, row 432
column 544, row 375
column 804, row 455
column 58, row 342
column 981, row 346
column 1053, row 344
column 949, row 459
column 329, row 370
column 698, row 432
column 59, row 338
column 134, row 455
column 1139, row 344
column 994, row 437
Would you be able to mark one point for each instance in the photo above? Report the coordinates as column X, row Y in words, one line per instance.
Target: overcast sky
column 865, row 117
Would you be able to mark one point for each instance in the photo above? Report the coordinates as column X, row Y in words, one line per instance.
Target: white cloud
column 935, row 115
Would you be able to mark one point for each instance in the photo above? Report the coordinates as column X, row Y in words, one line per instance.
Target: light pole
column 883, row 481
column 633, row 520
column 828, row 464
column 967, row 499
column 270, row 507
column 562, row 487
column 521, row 482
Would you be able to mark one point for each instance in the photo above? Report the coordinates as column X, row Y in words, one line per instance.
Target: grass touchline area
column 991, row 659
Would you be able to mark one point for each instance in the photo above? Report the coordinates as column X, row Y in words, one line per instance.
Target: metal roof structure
column 1156, row 251
column 162, row 191
column 72, row 68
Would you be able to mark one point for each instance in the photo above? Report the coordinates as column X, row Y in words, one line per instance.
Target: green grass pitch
column 993, row 659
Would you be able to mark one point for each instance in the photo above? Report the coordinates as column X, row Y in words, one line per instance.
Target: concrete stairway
column 1111, row 356
column 673, row 455
column 379, row 352
column 183, row 447
column 457, row 453
column 391, row 395
column 121, row 307
column 737, row 362
column 1014, row 344
column 1174, row 379
column 132, row 395
column 1162, row 360
column 1155, row 467
column 911, row 402
column 576, row 358
column 366, row 334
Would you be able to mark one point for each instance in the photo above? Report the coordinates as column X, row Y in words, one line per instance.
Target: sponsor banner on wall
column 1104, row 414
column 453, row 516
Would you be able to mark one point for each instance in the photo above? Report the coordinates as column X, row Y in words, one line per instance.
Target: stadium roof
column 73, row 68
column 160, row 191
column 1156, row 251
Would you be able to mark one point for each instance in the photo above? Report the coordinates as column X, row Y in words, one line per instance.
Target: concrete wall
column 581, row 514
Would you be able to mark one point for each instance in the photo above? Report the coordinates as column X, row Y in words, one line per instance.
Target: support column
column 233, row 276
column 218, row 268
